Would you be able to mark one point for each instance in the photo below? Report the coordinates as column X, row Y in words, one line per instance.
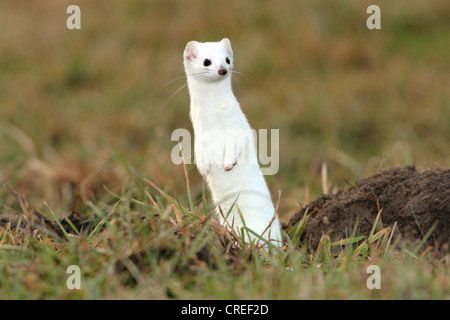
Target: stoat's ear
column 190, row 53
column 227, row 45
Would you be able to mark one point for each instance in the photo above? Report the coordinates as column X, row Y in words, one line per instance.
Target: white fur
column 224, row 145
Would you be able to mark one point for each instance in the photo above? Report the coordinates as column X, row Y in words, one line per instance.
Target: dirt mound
column 415, row 200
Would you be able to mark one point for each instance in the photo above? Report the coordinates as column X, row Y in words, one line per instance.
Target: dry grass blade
column 324, row 178
column 376, row 221
column 34, row 218
column 186, row 176
column 363, row 249
column 390, row 237
column 351, row 240
column 161, row 191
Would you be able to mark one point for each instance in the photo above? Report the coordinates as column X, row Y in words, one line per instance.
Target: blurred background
column 83, row 109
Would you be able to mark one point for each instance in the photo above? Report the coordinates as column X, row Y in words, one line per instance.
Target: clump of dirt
column 415, row 200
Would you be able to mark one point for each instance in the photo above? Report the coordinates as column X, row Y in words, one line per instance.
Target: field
column 86, row 118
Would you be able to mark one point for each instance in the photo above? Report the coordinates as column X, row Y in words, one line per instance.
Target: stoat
column 224, row 145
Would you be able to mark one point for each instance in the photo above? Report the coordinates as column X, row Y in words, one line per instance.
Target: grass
column 85, row 122
column 159, row 248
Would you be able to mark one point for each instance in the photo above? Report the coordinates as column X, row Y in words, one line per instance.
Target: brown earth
column 415, row 200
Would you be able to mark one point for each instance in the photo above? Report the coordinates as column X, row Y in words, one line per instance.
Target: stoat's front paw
column 203, row 168
column 229, row 162
column 231, row 155
column 203, row 157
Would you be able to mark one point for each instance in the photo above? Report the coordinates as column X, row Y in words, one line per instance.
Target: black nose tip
column 223, row 72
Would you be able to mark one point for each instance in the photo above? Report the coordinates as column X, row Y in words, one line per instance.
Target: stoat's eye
column 206, row 62
column 227, row 60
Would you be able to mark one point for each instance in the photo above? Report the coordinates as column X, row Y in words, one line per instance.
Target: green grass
column 82, row 126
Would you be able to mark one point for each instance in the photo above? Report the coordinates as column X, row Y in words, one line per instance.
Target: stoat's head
column 208, row 61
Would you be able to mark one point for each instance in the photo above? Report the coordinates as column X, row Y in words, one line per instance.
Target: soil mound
column 415, row 200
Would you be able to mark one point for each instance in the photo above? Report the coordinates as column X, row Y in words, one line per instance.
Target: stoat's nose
column 223, row 71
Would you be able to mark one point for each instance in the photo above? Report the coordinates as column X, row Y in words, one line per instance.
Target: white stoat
column 224, row 146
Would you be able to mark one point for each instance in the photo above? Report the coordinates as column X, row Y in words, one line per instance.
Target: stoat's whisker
column 239, row 73
column 174, row 80
column 200, row 74
column 172, row 95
